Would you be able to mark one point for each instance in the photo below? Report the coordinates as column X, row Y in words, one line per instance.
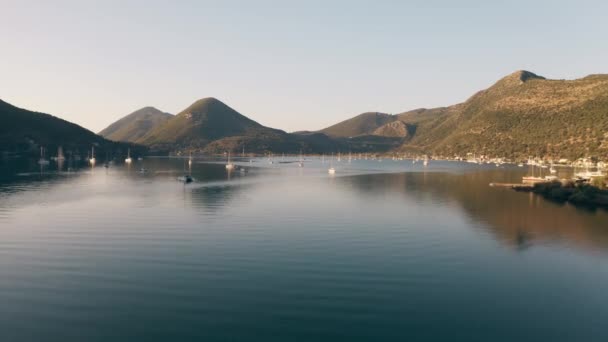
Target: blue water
column 382, row 251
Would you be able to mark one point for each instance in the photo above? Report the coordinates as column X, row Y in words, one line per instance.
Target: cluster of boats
column 585, row 175
column 590, row 170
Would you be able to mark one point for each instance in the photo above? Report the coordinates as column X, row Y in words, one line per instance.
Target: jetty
column 514, row 186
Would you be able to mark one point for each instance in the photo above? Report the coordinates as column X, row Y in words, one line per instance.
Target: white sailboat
column 229, row 165
column 60, row 155
column 588, row 175
column 301, row 162
column 128, row 160
column 190, row 159
column 331, row 169
column 92, row 159
column 42, row 160
column 532, row 178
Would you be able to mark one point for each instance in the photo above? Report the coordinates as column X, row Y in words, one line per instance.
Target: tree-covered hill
column 135, row 125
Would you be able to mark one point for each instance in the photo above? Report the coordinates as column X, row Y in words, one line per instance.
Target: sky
column 292, row 65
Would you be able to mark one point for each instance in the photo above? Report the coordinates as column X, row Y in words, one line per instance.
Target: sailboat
column 552, row 169
column 331, row 169
column 426, row 161
column 588, row 175
column 60, row 155
column 229, row 165
column 128, row 160
column 92, row 159
column 190, row 159
column 42, row 160
column 532, row 178
column 301, row 162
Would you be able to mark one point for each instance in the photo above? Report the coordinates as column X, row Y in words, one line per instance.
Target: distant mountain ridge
column 135, row 125
column 521, row 115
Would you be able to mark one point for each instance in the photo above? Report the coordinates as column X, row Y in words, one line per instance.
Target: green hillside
column 362, row 124
column 204, row 121
column 135, row 125
column 23, row 131
column 523, row 115
column 210, row 126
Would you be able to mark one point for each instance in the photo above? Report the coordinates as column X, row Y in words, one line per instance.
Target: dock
column 515, row 186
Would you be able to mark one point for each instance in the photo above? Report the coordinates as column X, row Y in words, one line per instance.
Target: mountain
column 380, row 132
column 211, row 126
column 135, row 125
column 523, row 115
column 362, row 124
column 24, row 131
column 204, row 121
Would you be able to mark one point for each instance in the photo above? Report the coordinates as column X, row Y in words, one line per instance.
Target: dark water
column 288, row 254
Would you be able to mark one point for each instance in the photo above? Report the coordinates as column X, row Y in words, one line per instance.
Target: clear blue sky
column 287, row 64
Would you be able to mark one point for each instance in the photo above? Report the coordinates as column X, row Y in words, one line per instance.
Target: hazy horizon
column 287, row 66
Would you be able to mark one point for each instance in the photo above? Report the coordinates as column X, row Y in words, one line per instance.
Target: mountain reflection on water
column 517, row 219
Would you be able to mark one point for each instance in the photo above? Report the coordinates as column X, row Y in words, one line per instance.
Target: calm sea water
column 382, row 251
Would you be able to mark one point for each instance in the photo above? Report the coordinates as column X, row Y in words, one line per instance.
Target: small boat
column 42, row 160
column 533, row 179
column 60, row 155
column 552, row 169
column 143, row 170
column 425, row 162
column 587, row 175
column 140, row 158
column 301, row 162
column 229, row 165
column 190, row 159
column 331, row 169
column 520, row 165
column 92, row 159
column 128, row 160
column 243, row 170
